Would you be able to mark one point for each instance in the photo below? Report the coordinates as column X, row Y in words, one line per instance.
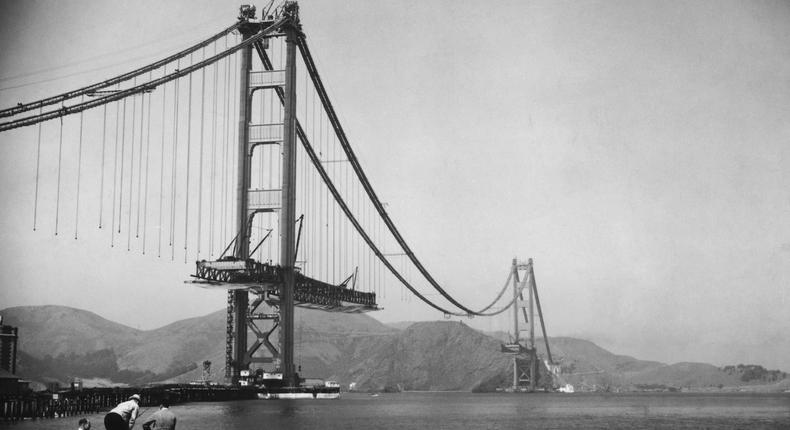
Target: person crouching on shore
column 122, row 416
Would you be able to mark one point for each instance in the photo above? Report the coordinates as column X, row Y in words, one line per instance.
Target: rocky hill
column 58, row 343
column 437, row 355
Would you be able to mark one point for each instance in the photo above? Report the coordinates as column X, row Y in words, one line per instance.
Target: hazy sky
column 638, row 151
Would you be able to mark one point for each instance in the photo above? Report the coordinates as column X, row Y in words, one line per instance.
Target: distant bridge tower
column 525, row 357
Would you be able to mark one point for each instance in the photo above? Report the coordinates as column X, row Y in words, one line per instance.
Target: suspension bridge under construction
column 231, row 154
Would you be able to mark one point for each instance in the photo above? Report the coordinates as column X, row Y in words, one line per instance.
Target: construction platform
column 267, row 279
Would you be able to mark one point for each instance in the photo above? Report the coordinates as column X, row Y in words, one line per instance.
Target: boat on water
column 271, row 386
column 567, row 388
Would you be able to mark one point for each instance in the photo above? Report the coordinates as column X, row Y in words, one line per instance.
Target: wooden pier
column 96, row 400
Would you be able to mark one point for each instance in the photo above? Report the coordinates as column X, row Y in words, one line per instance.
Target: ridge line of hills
column 58, row 343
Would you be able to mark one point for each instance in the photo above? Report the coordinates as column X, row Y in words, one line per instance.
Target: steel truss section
column 267, row 279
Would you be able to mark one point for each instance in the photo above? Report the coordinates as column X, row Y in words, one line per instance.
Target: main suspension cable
column 328, row 182
column 112, row 81
column 117, row 95
column 363, row 178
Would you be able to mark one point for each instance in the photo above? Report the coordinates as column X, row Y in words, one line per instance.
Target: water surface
column 476, row 411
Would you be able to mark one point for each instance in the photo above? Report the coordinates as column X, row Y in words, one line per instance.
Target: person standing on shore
column 162, row 419
column 122, row 416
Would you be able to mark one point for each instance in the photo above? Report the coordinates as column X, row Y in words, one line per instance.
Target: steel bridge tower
column 525, row 357
column 280, row 286
column 242, row 356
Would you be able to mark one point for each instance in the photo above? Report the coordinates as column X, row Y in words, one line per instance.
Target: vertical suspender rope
column 226, row 157
column 131, row 171
column 79, row 174
column 322, row 254
column 123, row 153
column 173, row 173
column 311, row 191
column 315, row 263
column 311, row 195
column 272, row 153
column 354, row 234
column 162, row 167
column 262, row 219
column 270, row 158
column 228, row 226
column 347, row 236
column 232, row 131
column 60, row 154
column 200, row 163
column 263, row 150
column 140, row 164
column 103, row 150
column 38, row 166
column 147, row 160
column 189, row 141
column 382, row 274
column 366, row 257
column 377, row 239
column 333, row 167
column 305, row 199
column 328, row 218
column 305, row 189
column 213, row 157
column 362, row 258
column 224, row 148
column 115, row 171
column 231, row 142
column 370, row 252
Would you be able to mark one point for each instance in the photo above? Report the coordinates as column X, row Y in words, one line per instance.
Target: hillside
column 55, row 330
column 437, row 355
column 57, row 343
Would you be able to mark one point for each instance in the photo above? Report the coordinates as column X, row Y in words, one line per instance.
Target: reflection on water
column 476, row 411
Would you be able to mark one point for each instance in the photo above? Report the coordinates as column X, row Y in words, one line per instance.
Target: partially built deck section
column 267, row 280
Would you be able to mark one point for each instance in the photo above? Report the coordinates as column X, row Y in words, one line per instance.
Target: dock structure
column 15, row 407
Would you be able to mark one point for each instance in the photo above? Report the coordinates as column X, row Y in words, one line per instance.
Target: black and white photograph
column 436, row 214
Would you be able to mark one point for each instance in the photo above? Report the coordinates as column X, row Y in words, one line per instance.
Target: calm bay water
column 477, row 411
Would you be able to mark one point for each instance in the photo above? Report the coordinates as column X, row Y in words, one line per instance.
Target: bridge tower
column 240, row 315
column 524, row 352
column 277, row 286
